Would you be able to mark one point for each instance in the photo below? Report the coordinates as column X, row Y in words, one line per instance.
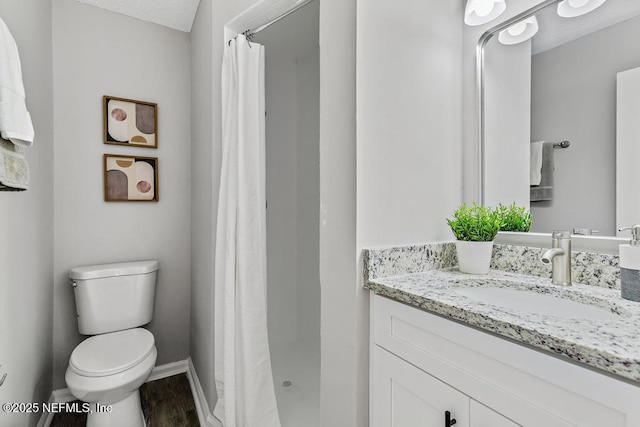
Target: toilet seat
column 112, row 353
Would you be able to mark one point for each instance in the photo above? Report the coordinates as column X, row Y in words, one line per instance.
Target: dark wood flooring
column 165, row 403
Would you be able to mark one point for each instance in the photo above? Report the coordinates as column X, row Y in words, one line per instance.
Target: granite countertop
column 608, row 340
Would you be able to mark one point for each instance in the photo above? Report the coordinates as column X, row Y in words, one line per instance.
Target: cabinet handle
column 448, row 421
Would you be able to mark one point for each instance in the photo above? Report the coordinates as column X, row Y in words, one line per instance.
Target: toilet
column 107, row 369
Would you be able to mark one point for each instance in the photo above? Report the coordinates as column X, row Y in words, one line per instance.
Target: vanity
column 505, row 349
column 510, row 348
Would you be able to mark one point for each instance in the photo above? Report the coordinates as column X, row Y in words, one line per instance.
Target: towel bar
column 561, row 144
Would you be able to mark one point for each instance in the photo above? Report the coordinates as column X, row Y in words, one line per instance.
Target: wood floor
column 165, row 403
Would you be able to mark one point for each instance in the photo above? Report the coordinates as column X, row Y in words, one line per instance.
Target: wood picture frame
column 129, row 122
column 130, row 178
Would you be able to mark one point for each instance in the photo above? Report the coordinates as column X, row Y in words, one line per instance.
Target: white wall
column 343, row 393
column 507, row 123
column 409, row 100
column 282, row 196
column 308, row 244
column 202, row 202
column 26, row 239
column 409, row 133
column 100, row 53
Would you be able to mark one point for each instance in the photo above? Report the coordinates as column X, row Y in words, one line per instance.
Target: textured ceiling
column 176, row 14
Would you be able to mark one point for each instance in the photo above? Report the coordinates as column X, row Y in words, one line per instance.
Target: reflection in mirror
column 569, row 83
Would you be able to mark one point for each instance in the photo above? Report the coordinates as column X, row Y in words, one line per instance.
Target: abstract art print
column 130, row 178
column 130, row 122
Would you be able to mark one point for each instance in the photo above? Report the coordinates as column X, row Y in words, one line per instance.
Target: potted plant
column 514, row 218
column 475, row 227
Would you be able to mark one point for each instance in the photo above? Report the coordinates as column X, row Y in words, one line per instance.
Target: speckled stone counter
column 588, row 268
column 427, row 279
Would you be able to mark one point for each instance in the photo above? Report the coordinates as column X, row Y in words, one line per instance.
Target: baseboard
column 205, row 415
column 158, row 372
column 168, row 370
column 47, row 417
column 63, row 395
column 57, row 396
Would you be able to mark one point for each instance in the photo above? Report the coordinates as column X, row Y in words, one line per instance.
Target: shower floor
column 299, row 403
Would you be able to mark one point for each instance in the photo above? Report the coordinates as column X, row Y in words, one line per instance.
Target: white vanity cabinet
column 423, row 365
column 406, row 396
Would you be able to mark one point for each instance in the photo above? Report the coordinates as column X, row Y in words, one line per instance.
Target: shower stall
column 292, row 86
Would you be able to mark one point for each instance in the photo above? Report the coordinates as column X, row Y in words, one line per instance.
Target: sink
column 545, row 304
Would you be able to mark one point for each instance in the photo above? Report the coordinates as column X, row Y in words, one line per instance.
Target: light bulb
column 573, row 8
column 483, row 8
column 519, row 32
column 479, row 12
column 578, row 3
column 517, row 28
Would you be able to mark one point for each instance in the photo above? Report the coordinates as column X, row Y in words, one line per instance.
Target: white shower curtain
column 246, row 396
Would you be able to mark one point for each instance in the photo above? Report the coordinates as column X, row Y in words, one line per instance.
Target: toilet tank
column 113, row 297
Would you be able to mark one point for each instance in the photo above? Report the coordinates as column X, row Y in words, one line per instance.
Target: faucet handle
column 584, row 231
column 635, row 234
column 561, row 234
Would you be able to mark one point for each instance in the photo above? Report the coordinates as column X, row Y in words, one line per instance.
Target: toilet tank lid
column 113, row 270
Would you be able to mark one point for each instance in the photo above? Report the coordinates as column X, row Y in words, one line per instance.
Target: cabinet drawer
column 530, row 388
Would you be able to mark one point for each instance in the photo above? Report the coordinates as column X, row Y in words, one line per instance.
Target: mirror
column 574, row 87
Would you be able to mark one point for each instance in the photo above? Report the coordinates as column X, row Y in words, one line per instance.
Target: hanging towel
column 535, row 169
column 544, row 191
column 14, row 170
column 15, row 120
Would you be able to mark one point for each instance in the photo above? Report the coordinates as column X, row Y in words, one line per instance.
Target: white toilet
column 107, row 369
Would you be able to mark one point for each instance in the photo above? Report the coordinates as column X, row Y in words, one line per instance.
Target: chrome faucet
column 559, row 256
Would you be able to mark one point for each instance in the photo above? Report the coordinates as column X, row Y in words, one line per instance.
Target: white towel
column 535, row 169
column 14, row 170
column 15, row 120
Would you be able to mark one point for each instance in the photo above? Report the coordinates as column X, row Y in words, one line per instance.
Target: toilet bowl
column 107, row 369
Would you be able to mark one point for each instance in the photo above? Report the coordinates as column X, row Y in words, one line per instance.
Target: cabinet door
column 481, row 416
column 405, row 396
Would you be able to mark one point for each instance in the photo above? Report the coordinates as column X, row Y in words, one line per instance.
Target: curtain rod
column 251, row 32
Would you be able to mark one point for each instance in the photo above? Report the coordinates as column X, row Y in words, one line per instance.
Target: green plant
column 514, row 218
column 475, row 223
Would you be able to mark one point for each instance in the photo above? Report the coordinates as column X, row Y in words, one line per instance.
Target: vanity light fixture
column 573, row 8
column 478, row 12
column 519, row 32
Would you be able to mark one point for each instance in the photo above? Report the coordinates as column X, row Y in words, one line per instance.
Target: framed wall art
column 130, row 178
column 130, row 122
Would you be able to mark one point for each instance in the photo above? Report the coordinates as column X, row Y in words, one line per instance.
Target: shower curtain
column 244, row 382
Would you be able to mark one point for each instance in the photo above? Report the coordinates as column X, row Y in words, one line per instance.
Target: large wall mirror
column 560, row 117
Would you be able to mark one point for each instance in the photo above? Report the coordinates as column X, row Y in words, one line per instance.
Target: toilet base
column 124, row 413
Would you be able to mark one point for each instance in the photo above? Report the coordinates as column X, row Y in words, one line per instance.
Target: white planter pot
column 474, row 257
